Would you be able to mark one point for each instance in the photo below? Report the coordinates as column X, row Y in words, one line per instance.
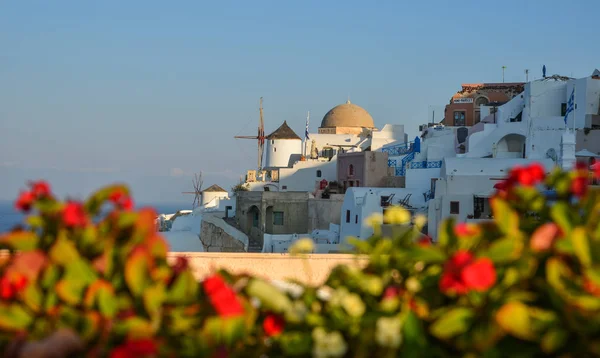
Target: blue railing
column 399, row 149
column 403, row 163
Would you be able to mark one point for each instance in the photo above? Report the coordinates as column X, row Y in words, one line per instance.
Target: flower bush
column 525, row 283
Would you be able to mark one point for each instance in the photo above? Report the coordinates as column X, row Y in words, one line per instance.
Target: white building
column 466, row 184
column 295, row 165
column 360, row 203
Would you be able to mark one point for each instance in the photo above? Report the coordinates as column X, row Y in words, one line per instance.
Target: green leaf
column 14, row 317
column 560, row 213
column 184, row 289
column 32, row 297
column 154, row 296
column 94, row 203
column 70, row 291
column 269, row 296
column 50, row 276
column 553, row 340
column 514, row 318
column 64, row 251
column 295, row 343
column 581, row 246
column 107, row 301
column 506, row 218
column 136, row 271
column 20, row 240
column 504, row 250
column 555, row 271
column 446, row 235
column 80, row 270
column 34, row 221
column 135, row 327
column 414, row 336
column 429, row 254
column 452, row 323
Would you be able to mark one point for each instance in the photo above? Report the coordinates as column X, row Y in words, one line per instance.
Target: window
column 478, row 206
column 284, row 187
column 356, row 219
column 385, row 200
column 274, row 149
column 454, row 207
column 272, row 141
column 347, row 216
column 459, row 118
column 351, row 170
column 255, row 219
column 319, row 174
column 277, row 217
column 563, row 109
column 481, row 101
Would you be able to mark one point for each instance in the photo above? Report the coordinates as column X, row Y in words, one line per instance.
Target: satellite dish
column 551, row 153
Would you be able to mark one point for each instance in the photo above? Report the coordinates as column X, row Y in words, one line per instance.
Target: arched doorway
column 511, row 146
column 253, row 218
column 269, row 220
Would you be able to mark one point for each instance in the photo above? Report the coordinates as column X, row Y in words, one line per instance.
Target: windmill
column 197, row 182
column 260, row 136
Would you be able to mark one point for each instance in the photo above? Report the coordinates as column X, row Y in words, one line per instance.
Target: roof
column 215, row 188
column 487, row 166
column 283, row 132
column 586, row 153
column 347, row 115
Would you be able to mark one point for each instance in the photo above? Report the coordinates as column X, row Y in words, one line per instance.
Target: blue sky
column 146, row 92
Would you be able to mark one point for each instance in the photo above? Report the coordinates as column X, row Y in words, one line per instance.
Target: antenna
column 503, row 68
column 526, row 75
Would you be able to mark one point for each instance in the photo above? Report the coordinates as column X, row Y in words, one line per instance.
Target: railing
column 399, row 149
column 405, row 161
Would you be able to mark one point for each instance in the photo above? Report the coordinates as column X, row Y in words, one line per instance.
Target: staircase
column 407, row 159
column 254, row 245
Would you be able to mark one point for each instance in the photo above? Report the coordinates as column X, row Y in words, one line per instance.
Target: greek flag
column 570, row 105
column 306, row 130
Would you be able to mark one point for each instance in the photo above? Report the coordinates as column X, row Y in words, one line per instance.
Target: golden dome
column 347, row 115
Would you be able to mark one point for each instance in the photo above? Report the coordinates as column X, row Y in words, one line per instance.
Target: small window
column 284, row 187
column 454, row 207
column 481, row 101
column 385, row 200
column 356, row 219
column 319, row 173
column 459, row 118
column 277, row 217
column 351, row 170
column 563, row 109
column 272, row 141
column 255, row 219
column 347, row 216
column 274, row 149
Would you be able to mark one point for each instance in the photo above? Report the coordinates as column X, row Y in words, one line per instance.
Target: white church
column 296, row 164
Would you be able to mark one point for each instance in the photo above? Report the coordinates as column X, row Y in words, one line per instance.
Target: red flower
column 181, row 264
column 19, row 282
column 596, row 168
column 7, row 291
column 537, row 172
column 222, row 297
column 579, row 186
column 122, row 200
column 424, row 241
column 273, row 325
column 40, row 189
column 581, row 166
column 135, row 348
column 466, row 229
column 590, row 287
column 392, row 292
column 462, row 274
column 25, row 201
column 480, row 275
column 74, row 215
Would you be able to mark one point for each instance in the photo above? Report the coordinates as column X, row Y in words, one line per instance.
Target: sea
column 9, row 217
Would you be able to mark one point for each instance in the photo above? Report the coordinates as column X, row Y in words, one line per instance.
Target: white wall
column 279, row 152
column 544, row 98
column 389, row 134
column 587, row 98
column 210, row 199
column 303, row 175
column 421, row 178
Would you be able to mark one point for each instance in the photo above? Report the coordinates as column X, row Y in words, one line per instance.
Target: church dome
column 347, row 115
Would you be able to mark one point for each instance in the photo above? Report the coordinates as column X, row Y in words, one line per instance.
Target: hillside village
column 326, row 184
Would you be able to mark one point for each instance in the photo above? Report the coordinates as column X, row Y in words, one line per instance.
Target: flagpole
column 574, row 106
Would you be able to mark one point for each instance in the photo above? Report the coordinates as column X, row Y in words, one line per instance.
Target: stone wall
column 311, row 269
column 215, row 238
column 322, row 212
